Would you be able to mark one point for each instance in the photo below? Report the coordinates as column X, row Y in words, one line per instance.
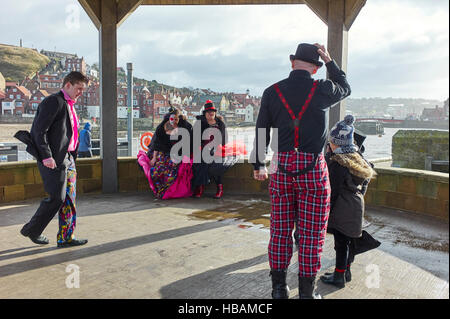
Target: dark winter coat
column 162, row 142
column 349, row 176
column 201, row 120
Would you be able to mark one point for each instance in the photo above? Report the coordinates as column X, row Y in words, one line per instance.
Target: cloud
column 395, row 48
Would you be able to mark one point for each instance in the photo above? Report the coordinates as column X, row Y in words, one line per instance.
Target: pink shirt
column 74, row 121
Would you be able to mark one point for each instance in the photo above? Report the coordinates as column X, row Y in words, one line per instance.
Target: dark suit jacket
column 51, row 130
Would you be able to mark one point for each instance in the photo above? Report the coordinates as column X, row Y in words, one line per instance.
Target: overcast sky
column 397, row 48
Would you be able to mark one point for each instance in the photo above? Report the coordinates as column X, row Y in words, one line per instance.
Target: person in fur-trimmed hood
column 349, row 175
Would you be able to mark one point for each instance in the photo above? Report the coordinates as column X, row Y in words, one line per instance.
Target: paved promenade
column 140, row 247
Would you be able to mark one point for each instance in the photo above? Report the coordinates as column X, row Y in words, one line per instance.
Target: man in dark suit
column 54, row 140
column 299, row 187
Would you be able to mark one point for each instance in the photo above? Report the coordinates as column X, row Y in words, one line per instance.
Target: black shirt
column 295, row 89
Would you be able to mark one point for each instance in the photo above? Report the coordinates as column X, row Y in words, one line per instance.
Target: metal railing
column 430, row 162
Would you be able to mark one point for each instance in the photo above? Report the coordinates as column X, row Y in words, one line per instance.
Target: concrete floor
column 140, row 247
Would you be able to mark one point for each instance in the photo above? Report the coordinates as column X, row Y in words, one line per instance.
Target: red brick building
column 52, row 83
column 75, row 64
column 142, row 99
column 91, row 96
column 122, row 93
column 36, row 98
column 16, row 99
column 160, row 107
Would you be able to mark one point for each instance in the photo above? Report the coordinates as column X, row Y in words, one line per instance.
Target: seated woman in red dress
column 224, row 155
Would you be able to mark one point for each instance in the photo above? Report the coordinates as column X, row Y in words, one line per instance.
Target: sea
column 376, row 146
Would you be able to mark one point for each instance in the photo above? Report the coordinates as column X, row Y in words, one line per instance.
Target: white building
column 122, row 112
column 249, row 113
column 93, row 111
column 9, row 107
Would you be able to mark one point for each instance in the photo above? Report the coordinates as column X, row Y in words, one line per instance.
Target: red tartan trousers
column 302, row 200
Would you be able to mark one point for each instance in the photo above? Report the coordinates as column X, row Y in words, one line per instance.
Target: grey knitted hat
column 342, row 132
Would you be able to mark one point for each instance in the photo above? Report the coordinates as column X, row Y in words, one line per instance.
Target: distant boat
column 245, row 124
column 370, row 127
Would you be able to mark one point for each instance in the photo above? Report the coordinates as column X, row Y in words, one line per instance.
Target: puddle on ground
column 403, row 236
column 257, row 213
column 414, row 241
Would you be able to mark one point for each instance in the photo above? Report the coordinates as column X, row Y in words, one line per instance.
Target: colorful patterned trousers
column 67, row 216
column 302, row 200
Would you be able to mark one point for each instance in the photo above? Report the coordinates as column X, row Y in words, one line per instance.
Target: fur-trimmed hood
column 355, row 163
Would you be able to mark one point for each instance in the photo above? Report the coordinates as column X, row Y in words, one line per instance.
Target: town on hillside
column 151, row 100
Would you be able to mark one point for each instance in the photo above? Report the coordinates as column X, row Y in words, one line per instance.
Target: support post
column 108, row 95
column 338, row 49
column 130, row 108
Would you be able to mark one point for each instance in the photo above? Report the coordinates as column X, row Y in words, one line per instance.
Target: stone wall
column 12, row 119
column 411, row 190
column 405, row 189
column 410, row 147
column 22, row 180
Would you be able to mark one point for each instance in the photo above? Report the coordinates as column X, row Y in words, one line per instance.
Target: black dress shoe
column 40, row 240
column 73, row 242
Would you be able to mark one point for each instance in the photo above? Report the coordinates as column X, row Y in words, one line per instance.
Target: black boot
column 280, row 289
column 306, row 287
column 336, row 278
column 348, row 274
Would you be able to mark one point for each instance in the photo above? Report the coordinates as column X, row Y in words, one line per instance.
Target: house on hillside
column 16, row 99
column 161, row 107
column 37, row 96
column 75, row 64
column 219, row 100
column 142, row 100
column 52, row 83
column 60, row 55
column 2, row 83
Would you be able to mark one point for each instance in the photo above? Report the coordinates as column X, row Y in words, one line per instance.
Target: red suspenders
column 291, row 113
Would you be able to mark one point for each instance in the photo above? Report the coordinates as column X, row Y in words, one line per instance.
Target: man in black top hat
column 299, row 188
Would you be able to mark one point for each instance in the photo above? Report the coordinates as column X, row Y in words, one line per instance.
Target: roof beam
column 125, row 8
column 320, row 8
column 352, row 9
column 219, row 2
column 93, row 10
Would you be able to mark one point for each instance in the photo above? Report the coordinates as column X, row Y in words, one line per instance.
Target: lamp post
column 130, row 107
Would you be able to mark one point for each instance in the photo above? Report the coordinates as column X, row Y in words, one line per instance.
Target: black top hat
column 209, row 106
column 308, row 53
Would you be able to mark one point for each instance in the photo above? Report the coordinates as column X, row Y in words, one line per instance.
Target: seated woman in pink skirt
column 168, row 178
